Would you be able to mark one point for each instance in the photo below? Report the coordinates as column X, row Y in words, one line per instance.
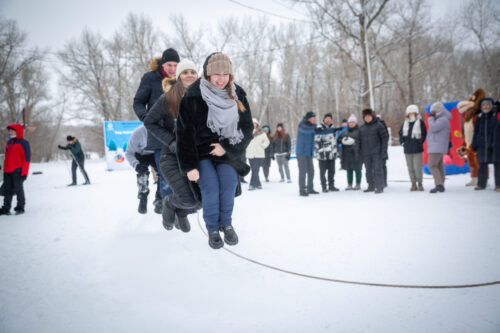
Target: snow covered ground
column 83, row 260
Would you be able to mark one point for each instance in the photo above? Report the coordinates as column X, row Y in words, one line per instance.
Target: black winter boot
column 143, row 205
column 158, row 206
column 333, row 189
column 214, row 240
column 19, row 210
column 230, row 236
column 182, row 220
column 4, row 211
column 168, row 214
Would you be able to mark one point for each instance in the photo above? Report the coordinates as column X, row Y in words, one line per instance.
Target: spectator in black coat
column 78, row 157
column 412, row 136
column 373, row 140
column 160, row 121
column 162, row 74
column 351, row 160
column 483, row 141
column 281, row 150
column 384, row 162
column 496, row 149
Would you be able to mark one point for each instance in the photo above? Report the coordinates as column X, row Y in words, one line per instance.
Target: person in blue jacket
column 304, row 150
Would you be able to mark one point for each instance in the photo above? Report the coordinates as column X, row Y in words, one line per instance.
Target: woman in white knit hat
column 412, row 136
column 351, row 160
column 160, row 122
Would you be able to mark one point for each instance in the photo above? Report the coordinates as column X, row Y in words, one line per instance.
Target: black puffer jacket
column 374, row 139
column 413, row 145
column 150, row 89
column 351, row 154
column 160, row 122
column 281, row 146
column 484, row 131
column 496, row 138
column 194, row 138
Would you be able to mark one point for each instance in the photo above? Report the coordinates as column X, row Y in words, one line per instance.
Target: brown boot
column 420, row 187
column 413, row 187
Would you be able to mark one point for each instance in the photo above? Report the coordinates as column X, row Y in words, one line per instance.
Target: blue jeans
column 218, row 184
column 164, row 188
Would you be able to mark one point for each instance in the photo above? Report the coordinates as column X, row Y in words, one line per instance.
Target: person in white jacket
column 256, row 154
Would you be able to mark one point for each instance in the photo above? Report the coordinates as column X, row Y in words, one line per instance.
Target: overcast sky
column 51, row 23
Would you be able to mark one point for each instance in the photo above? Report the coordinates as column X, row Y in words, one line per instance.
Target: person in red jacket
column 15, row 169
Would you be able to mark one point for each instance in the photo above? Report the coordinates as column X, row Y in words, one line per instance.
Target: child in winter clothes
column 281, row 150
column 351, row 154
column 412, row 136
column 214, row 128
column 75, row 149
column 256, row 154
column 483, row 142
column 15, row 169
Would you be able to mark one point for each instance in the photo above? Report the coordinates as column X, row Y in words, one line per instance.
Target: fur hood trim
column 154, row 63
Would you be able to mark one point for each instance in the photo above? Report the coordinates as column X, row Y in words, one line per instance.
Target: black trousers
column 266, row 166
column 306, row 168
column 13, row 185
column 255, row 164
column 324, row 167
column 143, row 177
column 74, row 166
column 374, row 171
column 482, row 177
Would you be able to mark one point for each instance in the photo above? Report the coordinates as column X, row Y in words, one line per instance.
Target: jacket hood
column 154, row 63
column 493, row 105
column 19, row 130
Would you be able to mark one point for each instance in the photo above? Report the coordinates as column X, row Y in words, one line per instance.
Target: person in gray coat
column 438, row 141
column 141, row 159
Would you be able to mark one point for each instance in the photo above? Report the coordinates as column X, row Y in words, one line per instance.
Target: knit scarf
column 416, row 133
column 223, row 114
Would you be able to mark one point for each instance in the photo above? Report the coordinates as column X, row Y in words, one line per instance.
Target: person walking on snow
column 256, row 154
column 150, row 89
column 438, row 141
column 15, row 169
column 373, row 143
column 412, row 136
column 214, row 128
column 351, row 160
column 325, row 144
column 76, row 152
column 304, row 151
column 141, row 159
column 281, row 151
column 160, row 121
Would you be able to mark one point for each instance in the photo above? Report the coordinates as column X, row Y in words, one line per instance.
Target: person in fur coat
column 150, row 89
column 469, row 110
column 256, row 153
column 214, row 128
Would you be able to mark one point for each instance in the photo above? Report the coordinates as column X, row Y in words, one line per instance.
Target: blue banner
column 116, row 136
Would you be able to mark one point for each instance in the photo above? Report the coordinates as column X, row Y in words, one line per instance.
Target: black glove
column 287, row 156
column 141, row 168
column 272, row 157
column 24, row 178
column 60, row 147
column 172, row 147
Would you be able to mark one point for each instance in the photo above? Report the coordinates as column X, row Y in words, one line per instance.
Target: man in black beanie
column 373, row 145
column 162, row 69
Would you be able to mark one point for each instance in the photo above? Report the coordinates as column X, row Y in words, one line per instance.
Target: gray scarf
column 223, row 115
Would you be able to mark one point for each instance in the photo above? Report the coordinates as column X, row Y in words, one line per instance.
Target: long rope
column 370, row 284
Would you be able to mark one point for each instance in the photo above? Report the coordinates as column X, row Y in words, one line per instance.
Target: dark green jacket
column 76, row 150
